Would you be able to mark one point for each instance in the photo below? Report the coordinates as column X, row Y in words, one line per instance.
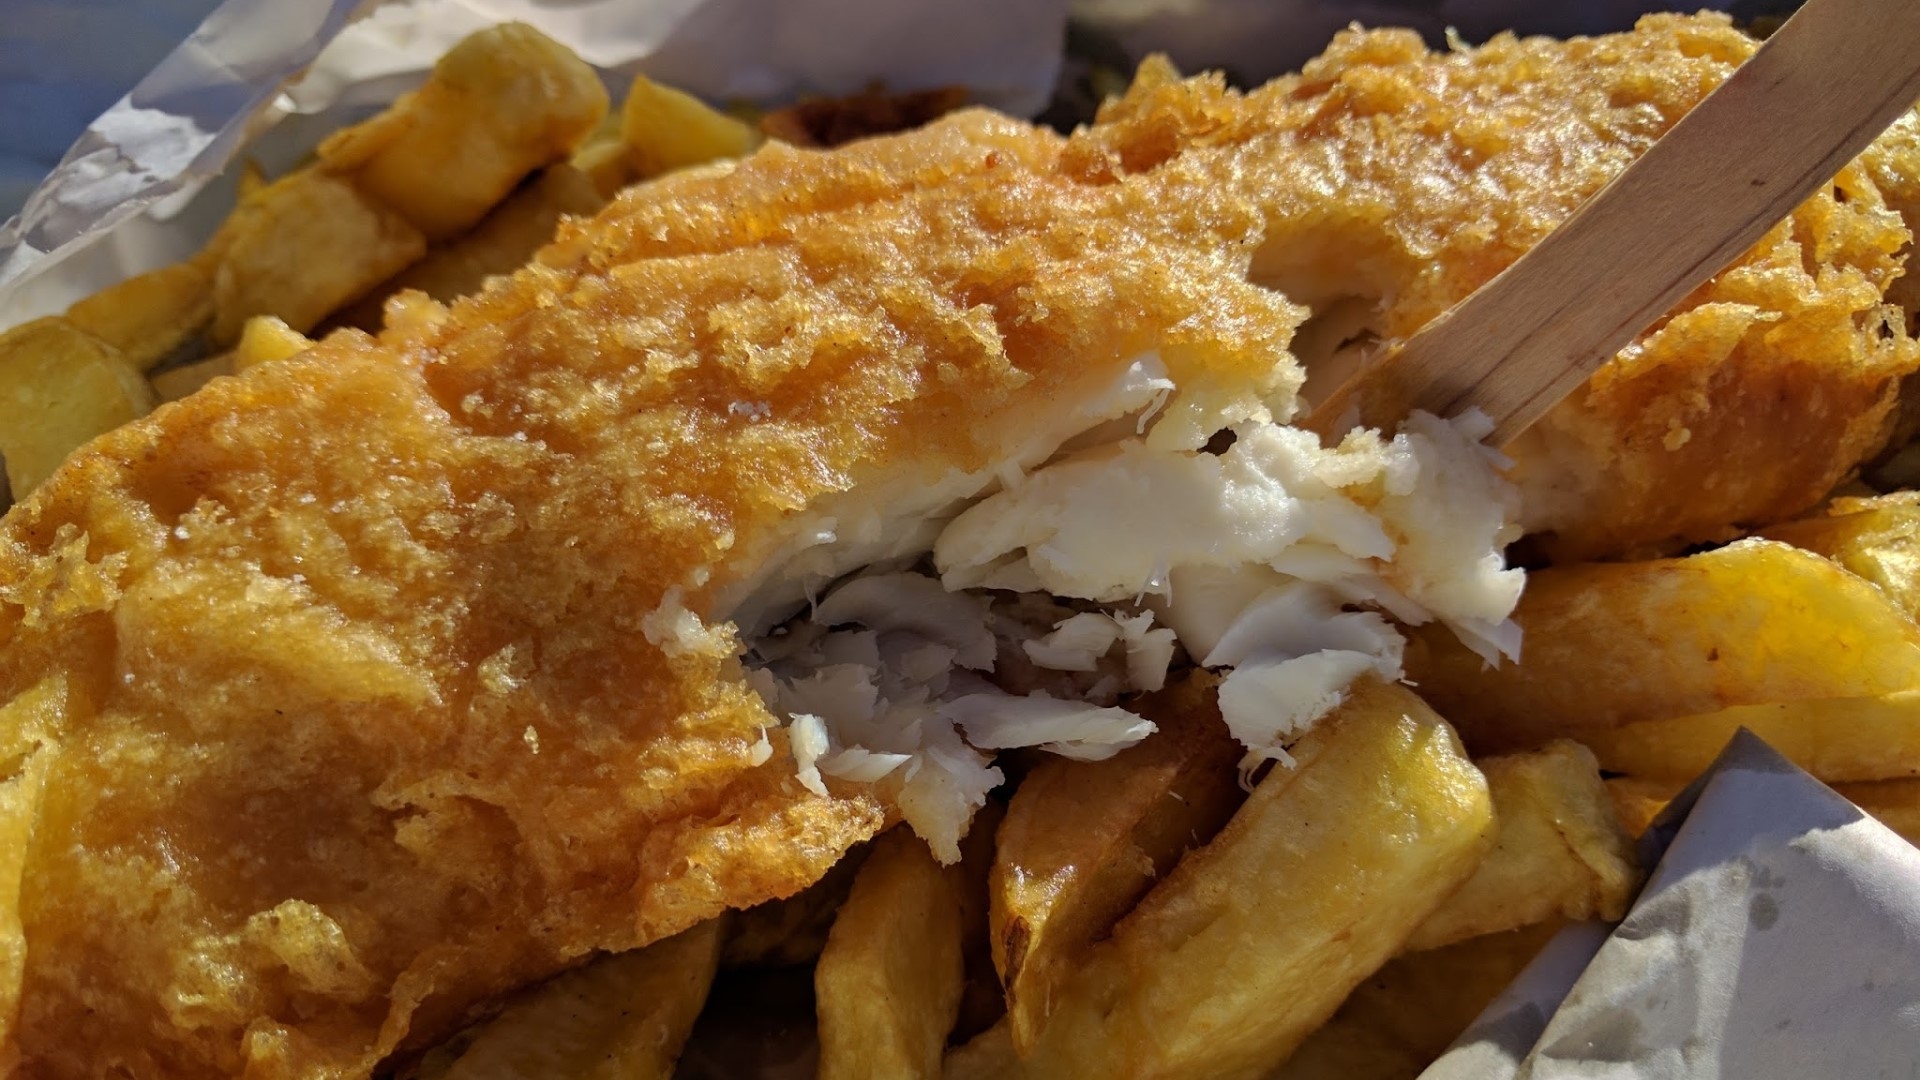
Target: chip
column 1084, row 840
column 1382, row 803
column 1753, row 623
column 1560, row 852
column 889, row 981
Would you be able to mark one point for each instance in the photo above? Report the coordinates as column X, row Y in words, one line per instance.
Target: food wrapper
column 149, row 180
column 1776, row 936
column 1775, row 940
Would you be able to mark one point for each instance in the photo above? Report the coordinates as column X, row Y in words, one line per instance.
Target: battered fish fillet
column 1395, row 181
column 382, row 679
column 349, row 693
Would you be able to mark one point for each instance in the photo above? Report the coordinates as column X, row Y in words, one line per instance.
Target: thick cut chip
column 1637, row 801
column 666, row 129
column 1756, row 622
column 28, row 724
column 1896, row 803
column 1084, row 840
column 1406, row 1014
column 265, row 339
column 59, row 387
column 888, row 985
column 175, row 383
column 603, row 161
column 1256, row 938
column 1560, row 850
column 987, row 1056
column 1835, row 739
column 303, row 247
column 503, row 242
column 503, row 102
column 622, row 1017
column 500, row 104
column 20, row 800
column 1876, row 538
column 147, row 317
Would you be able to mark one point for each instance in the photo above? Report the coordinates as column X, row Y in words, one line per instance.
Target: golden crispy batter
column 1408, row 179
column 375, row 708
column 357, row 689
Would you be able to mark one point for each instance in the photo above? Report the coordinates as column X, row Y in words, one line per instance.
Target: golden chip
column 888, row 983
column 1753, row 623
column 1559, row 852
column 1198, row 981
column 59, row 387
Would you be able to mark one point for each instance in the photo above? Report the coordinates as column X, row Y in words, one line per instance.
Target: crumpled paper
column 164, row 149
column 1777, row 939
column 182, row 123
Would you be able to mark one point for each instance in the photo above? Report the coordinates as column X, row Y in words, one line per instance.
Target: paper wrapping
column 1775, row 940
column 1777, row 937
column 149, row 180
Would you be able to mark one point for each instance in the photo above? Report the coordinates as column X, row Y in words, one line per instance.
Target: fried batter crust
column 378, row 698
column 354, row 690
column 1407, row 179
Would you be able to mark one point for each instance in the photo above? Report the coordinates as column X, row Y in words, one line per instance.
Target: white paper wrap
column 178, row 130
column 1776, row 940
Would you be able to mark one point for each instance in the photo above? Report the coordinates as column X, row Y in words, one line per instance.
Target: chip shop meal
column 578, row 556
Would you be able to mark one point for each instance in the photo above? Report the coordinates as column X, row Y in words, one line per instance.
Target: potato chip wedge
column 602, row 156
column 1752, row 623
column 1560, row 850
column 265, row 338
column 1835, row 739
column 1896, row 803
column 148, row 317
column 1084, row 840
column 621, row 1017
column 59, row 387
column 32, row 722
column 1253, row 940
column 1637, row 801
column 501, row 103
column 303, row 247
column 604, row 163
column 174, row 383
column 987, row 1056
column 1406, row 1014
column 504, row 241
column 666, row 129
column 1876, row 538
column 888, row 983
